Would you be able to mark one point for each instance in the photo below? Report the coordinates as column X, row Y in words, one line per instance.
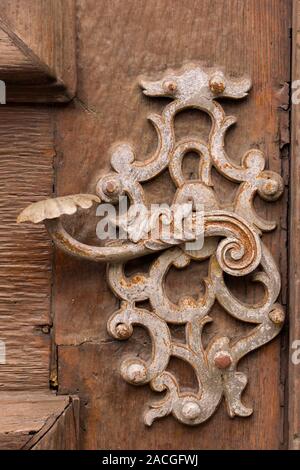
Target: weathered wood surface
column 24, row 415
column 26, row 167
column 37, row 50
column 116, row 43
column 14, row 62
column 37, row 62
column 294, row 237
column 61, row 433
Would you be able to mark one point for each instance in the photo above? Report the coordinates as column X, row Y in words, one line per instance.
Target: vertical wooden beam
column 26, row 166
column 294, row 242
column 37, row 64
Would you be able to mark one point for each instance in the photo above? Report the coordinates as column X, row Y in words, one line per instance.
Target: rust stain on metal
column 232, row 244
column 122, row 331
column 223, row 360
column 277, row 316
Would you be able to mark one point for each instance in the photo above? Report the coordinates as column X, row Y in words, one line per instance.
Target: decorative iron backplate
column 232, row 245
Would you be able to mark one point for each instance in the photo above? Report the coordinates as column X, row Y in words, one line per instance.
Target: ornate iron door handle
column 232, row 244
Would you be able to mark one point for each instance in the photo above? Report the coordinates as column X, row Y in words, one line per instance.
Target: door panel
column 117, row 42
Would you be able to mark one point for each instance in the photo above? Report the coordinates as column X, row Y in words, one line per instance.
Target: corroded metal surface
column 215, row 367
column 232, row 244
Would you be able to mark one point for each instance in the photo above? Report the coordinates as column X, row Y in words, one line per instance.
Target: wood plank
column 25, row 414
column 16, row 63
column 116, row 43
column 294, row 250
column 26, row 166
column 37, row 50
column 63, row 434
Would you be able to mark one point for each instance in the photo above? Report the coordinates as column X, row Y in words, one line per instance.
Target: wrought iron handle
column 233, row 244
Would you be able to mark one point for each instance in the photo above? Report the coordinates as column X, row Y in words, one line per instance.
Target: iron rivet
column 222, row 360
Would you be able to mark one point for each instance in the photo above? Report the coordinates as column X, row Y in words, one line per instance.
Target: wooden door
column 116, row 43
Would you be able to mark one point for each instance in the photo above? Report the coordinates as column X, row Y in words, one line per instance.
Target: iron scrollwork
column 233, row 245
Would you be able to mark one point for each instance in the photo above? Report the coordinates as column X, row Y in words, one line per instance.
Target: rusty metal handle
column 232, row 244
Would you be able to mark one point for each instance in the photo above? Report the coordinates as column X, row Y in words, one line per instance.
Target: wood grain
column 63, row 434
column 294, row 251
column 15, row 63
column 26, row 166
column 117, row 42
column 37, row 62
column 37, row 50
column 23, row 415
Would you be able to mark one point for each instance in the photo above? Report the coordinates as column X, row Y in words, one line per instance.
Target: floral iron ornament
column 232, row 244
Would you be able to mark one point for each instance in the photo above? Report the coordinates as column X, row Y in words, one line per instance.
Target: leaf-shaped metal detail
column 54, row 208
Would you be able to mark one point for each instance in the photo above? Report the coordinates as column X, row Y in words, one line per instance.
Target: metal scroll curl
column 232, row 244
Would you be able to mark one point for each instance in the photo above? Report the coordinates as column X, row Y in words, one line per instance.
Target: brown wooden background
column 116, row 41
